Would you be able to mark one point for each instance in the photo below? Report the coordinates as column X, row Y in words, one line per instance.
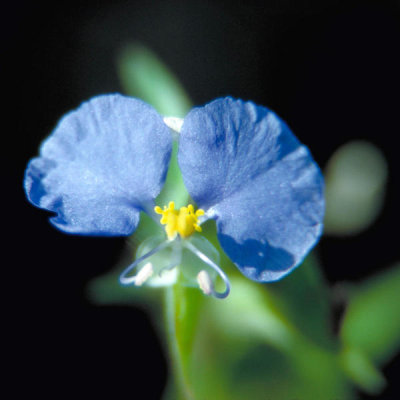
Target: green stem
column 180, row 382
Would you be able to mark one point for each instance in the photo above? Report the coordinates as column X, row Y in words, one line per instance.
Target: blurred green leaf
column 371, row 323
column 355, row 186
column 144, row 75
column 251, row 311
column 107, row 290
column 362, row 371
column 304, row 298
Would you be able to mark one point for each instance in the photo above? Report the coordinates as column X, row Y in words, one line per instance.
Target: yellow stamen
column 183, row 221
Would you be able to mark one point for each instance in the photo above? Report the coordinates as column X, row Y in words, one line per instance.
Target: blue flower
column 107, row 161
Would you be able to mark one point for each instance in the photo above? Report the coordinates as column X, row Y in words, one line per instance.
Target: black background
column 329, row 68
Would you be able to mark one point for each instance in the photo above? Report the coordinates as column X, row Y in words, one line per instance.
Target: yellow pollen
column 183, row 221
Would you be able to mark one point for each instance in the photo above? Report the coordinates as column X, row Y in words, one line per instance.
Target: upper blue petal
column 102, row 164
column 242, row 164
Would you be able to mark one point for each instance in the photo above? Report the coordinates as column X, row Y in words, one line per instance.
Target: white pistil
column 144, row 274
column 205, row 282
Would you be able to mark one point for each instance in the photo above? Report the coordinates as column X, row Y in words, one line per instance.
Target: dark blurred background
column 330, row 68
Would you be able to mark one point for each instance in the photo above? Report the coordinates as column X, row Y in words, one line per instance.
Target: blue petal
column 242, row 164
column 102, row 165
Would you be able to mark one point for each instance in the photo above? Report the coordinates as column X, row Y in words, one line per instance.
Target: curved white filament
column 214, row 266
column 128, row 280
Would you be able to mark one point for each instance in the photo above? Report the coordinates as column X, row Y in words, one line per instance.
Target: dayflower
column 107, row 161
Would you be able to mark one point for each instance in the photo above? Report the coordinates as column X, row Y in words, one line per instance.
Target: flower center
column 183, row 221
column 190, row 262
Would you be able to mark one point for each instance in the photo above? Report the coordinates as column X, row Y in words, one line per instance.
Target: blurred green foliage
column 143, row 75
column 370, row 329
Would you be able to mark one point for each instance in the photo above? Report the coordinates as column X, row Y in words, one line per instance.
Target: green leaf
column 107, row 290
column 144, row 75
column 362, row 371
column 304, row 298
column 371, row 323
column 251, row 311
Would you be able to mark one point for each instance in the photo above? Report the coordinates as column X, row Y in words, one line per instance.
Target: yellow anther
column 185, row 221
